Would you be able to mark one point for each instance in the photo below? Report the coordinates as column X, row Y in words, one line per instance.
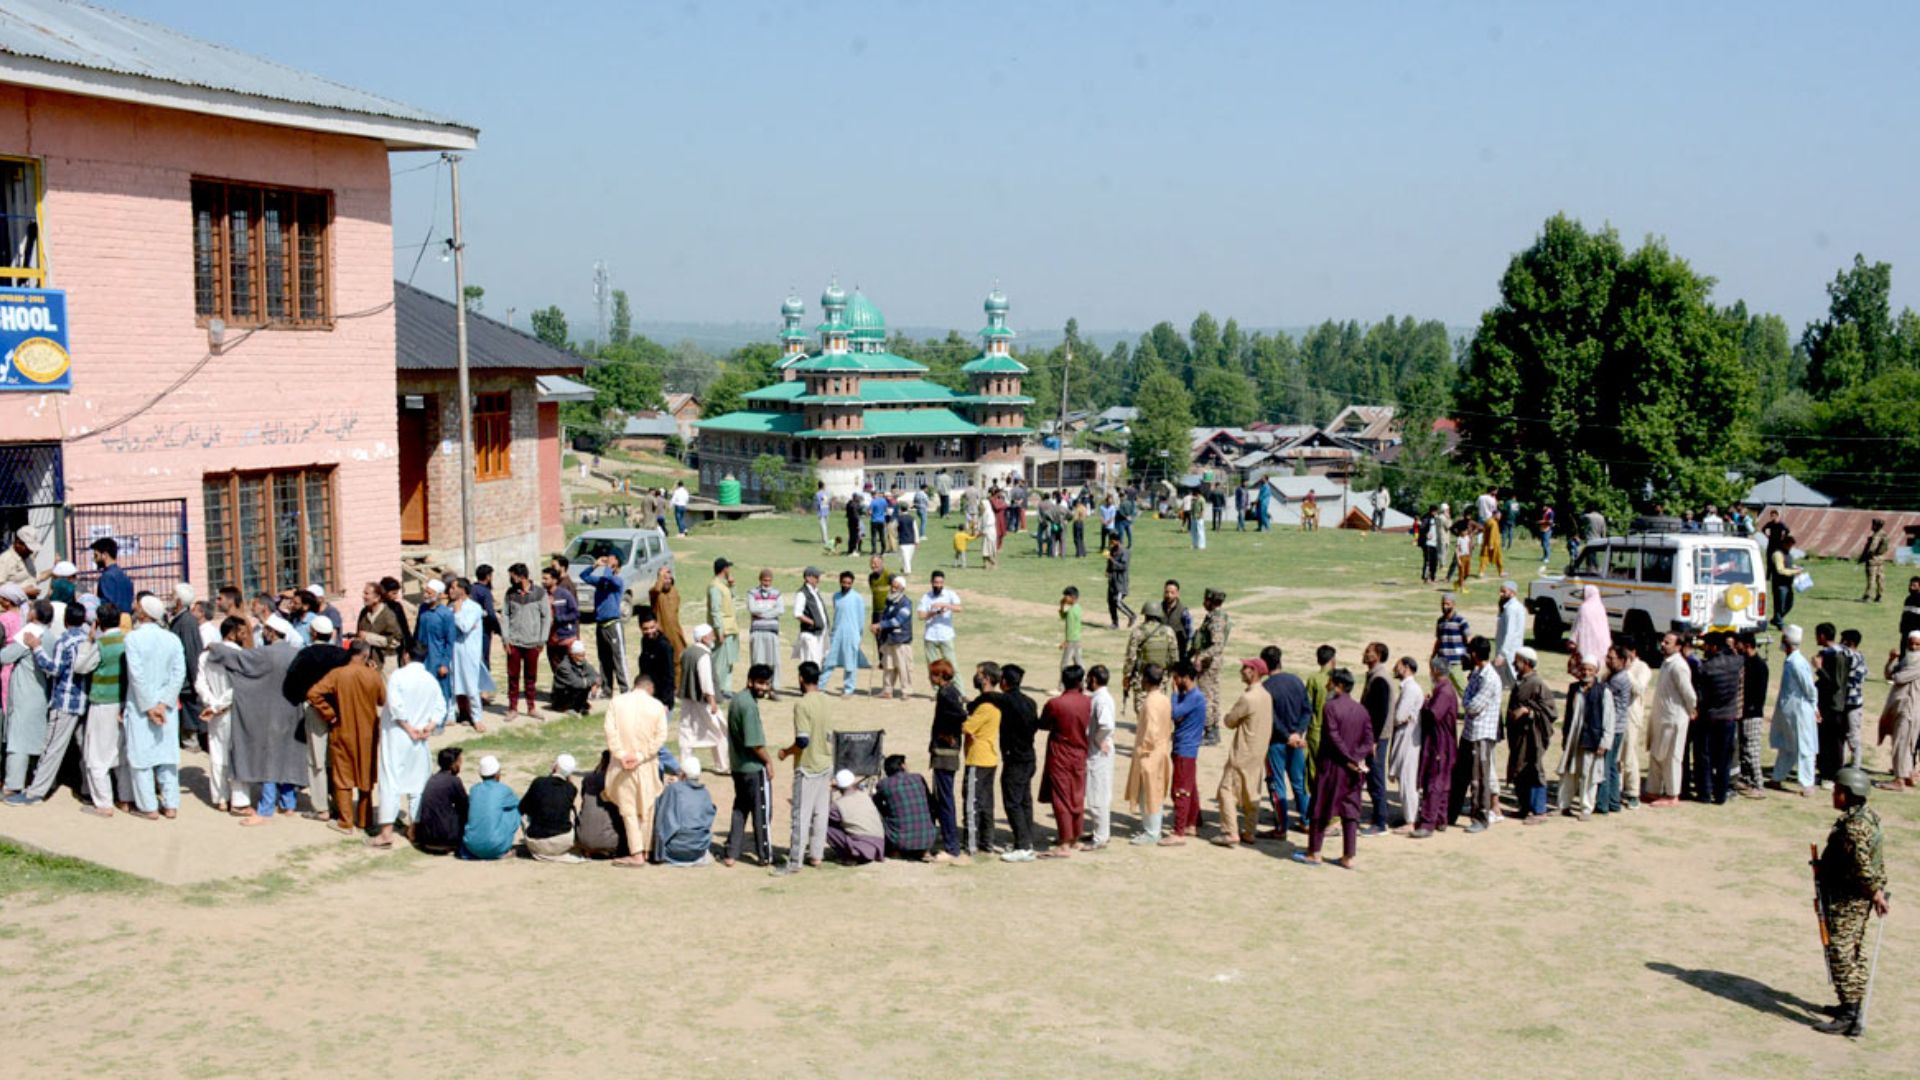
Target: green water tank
column 729, row 491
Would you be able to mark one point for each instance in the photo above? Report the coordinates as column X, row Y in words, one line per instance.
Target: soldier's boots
column 1846, row 1021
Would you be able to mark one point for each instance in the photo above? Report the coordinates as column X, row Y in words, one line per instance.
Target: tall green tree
column 1204, row 340
column 1223, row 397
column 1855, row 342
column 1160, row 444
column 550, row 326
column 622, row 327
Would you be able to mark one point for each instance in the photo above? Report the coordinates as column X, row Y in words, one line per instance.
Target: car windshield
column 1723, row 566
column 585, row 549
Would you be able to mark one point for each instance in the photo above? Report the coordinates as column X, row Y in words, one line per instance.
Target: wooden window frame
column 493, row 435
column 32, row 276
column 300, row 208
column 304, row 572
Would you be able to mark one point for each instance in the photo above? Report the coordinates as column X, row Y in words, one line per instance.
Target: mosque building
column 857, row 415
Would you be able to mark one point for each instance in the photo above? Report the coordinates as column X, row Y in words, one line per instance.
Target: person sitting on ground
column 493, row 815
column 683, row 820
column 547, row 817
column 441, row 817
column 906, row 808
column 574, row 680
column 596, row 833
column 855, row 831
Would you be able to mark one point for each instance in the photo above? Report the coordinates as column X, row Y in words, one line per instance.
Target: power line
column 433, row 219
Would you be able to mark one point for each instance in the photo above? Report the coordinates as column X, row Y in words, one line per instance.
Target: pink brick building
column 220, row 227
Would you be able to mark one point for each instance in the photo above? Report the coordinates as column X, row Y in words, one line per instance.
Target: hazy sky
column 1126, row 162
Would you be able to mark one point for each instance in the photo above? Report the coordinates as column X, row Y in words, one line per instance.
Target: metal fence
column 152, row 535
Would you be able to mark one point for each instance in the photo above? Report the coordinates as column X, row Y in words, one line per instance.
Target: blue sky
column 1126, row 162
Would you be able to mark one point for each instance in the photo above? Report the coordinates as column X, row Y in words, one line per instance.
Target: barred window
column 20, row 223
column 260, row 255
column 267, row 531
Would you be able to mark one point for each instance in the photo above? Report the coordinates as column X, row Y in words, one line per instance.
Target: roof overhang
column 556, row 388
column 396, row 133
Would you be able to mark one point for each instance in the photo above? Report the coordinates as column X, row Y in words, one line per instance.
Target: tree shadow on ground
column 1742, row 990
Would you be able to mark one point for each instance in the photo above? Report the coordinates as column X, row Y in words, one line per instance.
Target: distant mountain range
column 722, row 338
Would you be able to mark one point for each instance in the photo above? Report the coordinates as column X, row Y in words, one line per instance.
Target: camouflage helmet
column 1853, row 781
column 1153, row 610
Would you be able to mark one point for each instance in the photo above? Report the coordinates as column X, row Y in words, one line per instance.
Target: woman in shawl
column 1439, row 744
column 665, row 598
column 1591, row 634
column 470, row 675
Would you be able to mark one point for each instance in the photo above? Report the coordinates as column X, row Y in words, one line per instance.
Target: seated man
column 598, row 832
column 907, row 808
column 441, row 817
column 493, row 815
column 683, row 820
column 855, row 832
column 573, row 680
column 547, row 817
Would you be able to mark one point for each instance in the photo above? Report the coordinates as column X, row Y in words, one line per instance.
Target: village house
column 215, row 231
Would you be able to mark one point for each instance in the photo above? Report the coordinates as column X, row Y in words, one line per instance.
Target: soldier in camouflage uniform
column 1206, row 652
column 1151, row 642
column 1874, row 557
column 1853, row 886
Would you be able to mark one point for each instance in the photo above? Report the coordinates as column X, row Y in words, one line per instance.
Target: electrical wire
column 433, row 222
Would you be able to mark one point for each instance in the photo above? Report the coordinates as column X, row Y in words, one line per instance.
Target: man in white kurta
column 1633, row 754
column 1795, row 735
column 215, row 688
column 470, row 675
column 636, row 728
column 1674, row 703
column 156, row 670
column 1403, row 750
column 702, row 723
column 415, row 709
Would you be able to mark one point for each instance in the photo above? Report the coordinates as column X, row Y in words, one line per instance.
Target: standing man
column 752, row 777
column 1852, row 879
column 1795, row 735
column 529, row 621
column 185, row 625
column 1590, row 723
column 763, row 627
column 1873, row 556
column 1150, row 776
column 849, row 622
column 1019, row 725
column 114, row 586
column 1509, row 634
column 312, row 663
column 810, row 611
column 1118, row 560
column 1292, row 715
column 943, row 751
column 1377, row 699
column 1831, row 672
column 1251, row 721
column 698, row 691
column 1066, row 718
column 65, row 661
column 1634, row 726
column 1450, row 633
column 156, row 668
column 1753, row 715
column 349, row 700
column 610, row 628
column 1177, row 616
column 823, row 509
column 1189, row 724
column 656, row 660
column 812, row 748
column 681, row 498
column 1856, row 694
column 472, row 681
column 266, row 746
column 1480, row 716
column 893, row 625
column 564, row 627
column 414, row 709
column 1722, row 678
column 1209, row 646
column 1101, row 715
column 726, row 627
column 435, row 630
column 936, row 608
column 1344, row 755
column 1674, row 704
column 982, row 733
column 1382, row 502
column 636, row 729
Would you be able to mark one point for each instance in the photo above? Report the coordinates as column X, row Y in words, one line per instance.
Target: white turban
column 321, row 626
column 279, row 625
column 565, row 765
column 1793, row 633
column 435, row 587
column 690, row 767
column 13, row 594
column 152, row 608
column 183, row 592
column 701, row 631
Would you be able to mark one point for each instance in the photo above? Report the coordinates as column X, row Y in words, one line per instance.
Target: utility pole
column 1060, row 429
column 466, row 394
column 601, row 291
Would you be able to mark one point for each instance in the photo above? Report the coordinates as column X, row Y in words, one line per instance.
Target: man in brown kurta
column 636, row 728
column 1251, row 722
column 1150, row 778
column 348, row 700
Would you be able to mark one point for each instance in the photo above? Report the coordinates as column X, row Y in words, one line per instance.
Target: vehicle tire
column 1549, row 630
column 1637, row 627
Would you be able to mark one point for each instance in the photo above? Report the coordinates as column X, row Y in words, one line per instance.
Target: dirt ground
column 1661, row 941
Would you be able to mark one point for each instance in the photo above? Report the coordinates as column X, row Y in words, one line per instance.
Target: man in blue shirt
column 493, row 815
column 879, row 509
column 1287, row 752
column 1189, row 723
column 115, row 586
column 610, row 633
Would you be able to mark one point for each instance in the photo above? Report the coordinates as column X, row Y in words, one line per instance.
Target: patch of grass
column 24, row 871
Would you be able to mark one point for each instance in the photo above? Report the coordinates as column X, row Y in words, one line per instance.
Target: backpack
column 1159, row 647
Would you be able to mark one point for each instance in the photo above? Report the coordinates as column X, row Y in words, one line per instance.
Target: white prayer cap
column 1793, row 633
column 183, row 592
column 578, row 648
column 845, row 779
column 690, row 767
column 1913, row 635
column 899, row 581
column 279, row 625
column 152, row 608
column 701, row 631
column 565, row 765
column 63, row 568
column 13, row 594
column 1510, row 586
column 321, row 626
column 489, row 767
column 435, row 587
column 317, row 591
column 1526, row 653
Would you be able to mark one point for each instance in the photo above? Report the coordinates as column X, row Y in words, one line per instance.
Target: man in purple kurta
column 1439, row 744
column 1346, row 745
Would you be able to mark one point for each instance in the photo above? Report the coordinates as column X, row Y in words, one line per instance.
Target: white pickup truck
column 1651, row 580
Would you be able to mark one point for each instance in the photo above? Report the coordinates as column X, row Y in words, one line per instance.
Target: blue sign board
column 33, row 341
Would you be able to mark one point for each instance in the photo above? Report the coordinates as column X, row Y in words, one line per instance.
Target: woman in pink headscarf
column 1591, row 635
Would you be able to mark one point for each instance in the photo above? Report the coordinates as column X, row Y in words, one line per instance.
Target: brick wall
column 506, row 511
column 118, row 235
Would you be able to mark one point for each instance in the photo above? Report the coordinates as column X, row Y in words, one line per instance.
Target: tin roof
column 89, row 50
column 423, row 339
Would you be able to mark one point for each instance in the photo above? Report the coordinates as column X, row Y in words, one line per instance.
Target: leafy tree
column 1766, row 351
column 690, row 369
column 622, row 327
column 1855, row 342
column 1171, row 350
column 1207, row 349
column 728, row 392
column 550, row 326
column 475, row 296
column 1160, row 445
column 776, row 481
column 756, row 361
column 1224, row 398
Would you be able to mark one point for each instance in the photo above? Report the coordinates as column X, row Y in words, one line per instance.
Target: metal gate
column 152, row 535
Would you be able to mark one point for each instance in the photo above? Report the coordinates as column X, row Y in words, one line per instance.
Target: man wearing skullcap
column 348, row 700
column 184, row 625
column 1795, row 735
column 156, row 668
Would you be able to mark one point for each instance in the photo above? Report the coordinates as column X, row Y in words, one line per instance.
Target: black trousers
column 1430, row 563
column 1079, row 539
column 1462, row 780
column 610, row 639
column 568, row 699
column 1712, row 759
column 752, row 803
column 1117, row 605
column 944, row 810
column 1016, row 790
column 977, row 808
column 1377, row 783
column 1832, row 733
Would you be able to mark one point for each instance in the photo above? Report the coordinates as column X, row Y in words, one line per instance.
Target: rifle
column 1820, row 912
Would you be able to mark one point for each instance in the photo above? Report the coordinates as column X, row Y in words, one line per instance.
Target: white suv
column 1651, row 580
